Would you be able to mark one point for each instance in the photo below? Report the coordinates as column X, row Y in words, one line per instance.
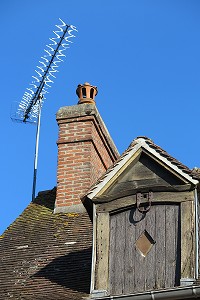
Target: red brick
column 82, row 161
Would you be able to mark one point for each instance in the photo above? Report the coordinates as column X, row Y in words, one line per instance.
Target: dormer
column 144, row 224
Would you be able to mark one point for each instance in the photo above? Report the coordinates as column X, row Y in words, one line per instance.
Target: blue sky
column 143, row 55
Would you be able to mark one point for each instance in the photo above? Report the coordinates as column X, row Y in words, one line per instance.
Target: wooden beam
column 125, row 202
column 187, row 240
column 128, row 191
column 102, row 263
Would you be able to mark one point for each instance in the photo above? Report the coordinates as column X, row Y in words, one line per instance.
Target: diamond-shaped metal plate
column 144, row 243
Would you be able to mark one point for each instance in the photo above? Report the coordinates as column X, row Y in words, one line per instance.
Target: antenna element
column 29, row 109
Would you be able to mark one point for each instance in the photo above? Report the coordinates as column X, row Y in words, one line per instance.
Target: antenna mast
column 29, row 109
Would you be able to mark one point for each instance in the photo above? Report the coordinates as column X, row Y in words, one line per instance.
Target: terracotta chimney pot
column 86, row 93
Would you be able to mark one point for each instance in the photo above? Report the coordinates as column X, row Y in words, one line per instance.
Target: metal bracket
column 139, row 197
column 98, row 293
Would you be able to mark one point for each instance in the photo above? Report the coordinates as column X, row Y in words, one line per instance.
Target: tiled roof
column 45, row 255
column 145, row 140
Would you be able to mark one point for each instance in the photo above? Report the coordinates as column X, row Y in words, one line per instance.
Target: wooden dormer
column 145, row 221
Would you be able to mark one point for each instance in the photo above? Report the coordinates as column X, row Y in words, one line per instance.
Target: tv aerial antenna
column 29, row 108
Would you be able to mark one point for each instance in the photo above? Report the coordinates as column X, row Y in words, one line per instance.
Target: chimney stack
column 85, row 150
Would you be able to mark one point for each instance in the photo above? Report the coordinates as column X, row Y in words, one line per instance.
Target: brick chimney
column 85, row 150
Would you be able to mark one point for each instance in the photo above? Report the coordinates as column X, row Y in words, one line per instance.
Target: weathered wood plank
column 160, row 246
column 170, row 247
column 138, row 184
column 129, row 259
column 139, row 258
column 178, row 245
column 117, row 261
column 150, row 258
column 117, row 204
column 131, row 190
column 119, row 253
column 128, row 201
column 112, row 266
column 102, row 251
column 187, row 240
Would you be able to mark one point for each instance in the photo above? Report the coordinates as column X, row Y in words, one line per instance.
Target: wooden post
column 102, row 264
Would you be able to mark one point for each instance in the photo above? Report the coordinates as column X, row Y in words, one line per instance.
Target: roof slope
column 45, row 255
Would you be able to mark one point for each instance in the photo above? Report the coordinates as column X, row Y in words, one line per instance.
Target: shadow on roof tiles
column 70, row 271
column 46, row 198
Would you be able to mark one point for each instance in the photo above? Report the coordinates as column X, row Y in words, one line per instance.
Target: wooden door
column 131, row 270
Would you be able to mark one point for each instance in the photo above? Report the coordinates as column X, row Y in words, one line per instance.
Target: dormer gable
column 139, row 146
column 144, row 222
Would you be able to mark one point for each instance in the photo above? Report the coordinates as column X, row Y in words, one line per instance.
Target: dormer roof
column 146, row 145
